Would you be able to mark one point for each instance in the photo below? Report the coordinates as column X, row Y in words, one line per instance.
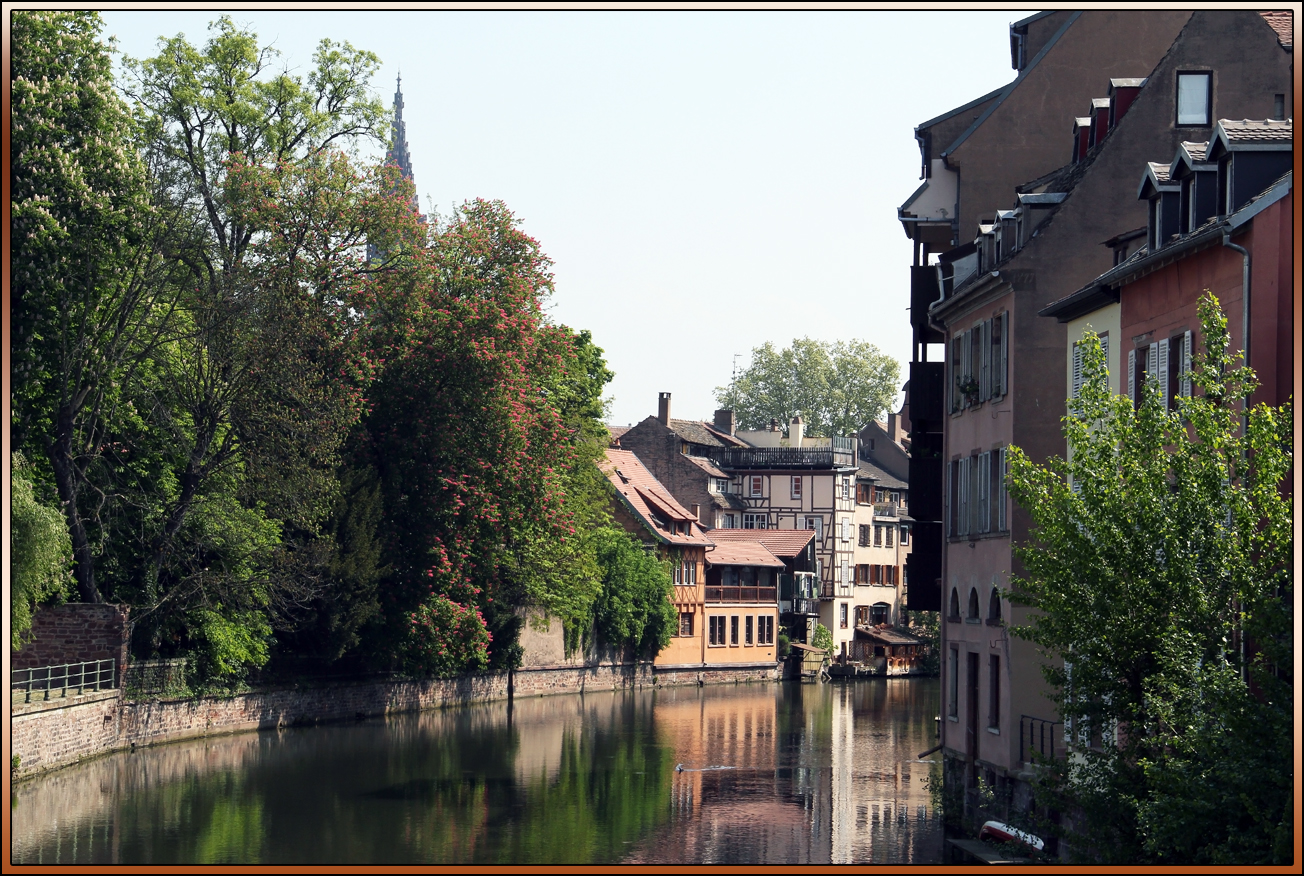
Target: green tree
column 94, row 264
column 42, row 552
column 838, row 388
column 1159, row 574
column 633, row 610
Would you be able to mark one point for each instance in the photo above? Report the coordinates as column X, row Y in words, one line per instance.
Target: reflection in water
column 820, row 774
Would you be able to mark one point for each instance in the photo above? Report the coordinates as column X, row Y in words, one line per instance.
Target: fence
column 145, row 678
column 47, row 680
column 741, row 594
column 1039, row 736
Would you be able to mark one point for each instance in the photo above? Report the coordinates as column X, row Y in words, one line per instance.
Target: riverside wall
column 62, row 731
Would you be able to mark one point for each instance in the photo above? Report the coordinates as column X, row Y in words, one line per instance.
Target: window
column 905, row 536
column 953, row 608
column 888, row 533
column 754, row 520
column 844, row 529
column 678, row 573
column 721, row 485
column 862, row 573
column 973, row 603
column 716, row 630
column 1278, row 113
column 755, row 485
column 1193, row 98
column 842, row 616
column 730, row 522
column 862, row 615
column 733, row 629
column 864, row 494
column 878, row 613
column 846, row 486
column 994, row 605
column 878, row 535
column 953, row 681
column 993, row 691
column 864, row 535
column 747, row 630
column 817, row 524
column 765, row 630
column 796, row 486
column 686, row 624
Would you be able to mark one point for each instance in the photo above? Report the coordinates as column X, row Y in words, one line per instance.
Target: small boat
column 1000, row 832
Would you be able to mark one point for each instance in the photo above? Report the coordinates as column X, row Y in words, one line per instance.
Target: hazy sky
column 704, row 181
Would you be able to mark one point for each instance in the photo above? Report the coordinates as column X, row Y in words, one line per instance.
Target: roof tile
column 784, row 543
column 648, row 499
column 739, row 552
column 1283, row 23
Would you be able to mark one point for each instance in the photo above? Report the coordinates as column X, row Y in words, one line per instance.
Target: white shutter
column 1186, row 364
column 985, row 361
column 1162, row 371
column 1131, row 376
column 966, row 360
column 962, row 517
column 1076, row 385
column 1104, row 348
column 1152, row 363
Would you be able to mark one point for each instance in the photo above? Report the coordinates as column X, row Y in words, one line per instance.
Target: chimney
column 774, row 425
column 796, row 431
column 891, row 426
column 663, row 408
column 726, row 422
column 697, row 512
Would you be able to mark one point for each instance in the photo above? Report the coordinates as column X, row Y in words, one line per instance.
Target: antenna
column 734, row 379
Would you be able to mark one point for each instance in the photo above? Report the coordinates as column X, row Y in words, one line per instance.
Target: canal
column 758, row 773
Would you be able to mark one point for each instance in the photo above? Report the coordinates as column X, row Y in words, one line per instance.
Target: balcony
column 742, row 594
column 886, row 509
column 840, row 454
column 808, row 607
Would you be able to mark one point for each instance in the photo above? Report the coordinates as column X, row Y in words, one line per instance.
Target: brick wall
column 75, row 633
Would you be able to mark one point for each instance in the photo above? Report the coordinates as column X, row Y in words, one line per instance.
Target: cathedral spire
column 398, row 154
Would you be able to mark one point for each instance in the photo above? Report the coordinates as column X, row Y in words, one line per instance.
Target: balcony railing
column 741, row 594
column 808, row 607
column 839, row 454
column 56, row 681
column 885, row 509
column 1037, row 735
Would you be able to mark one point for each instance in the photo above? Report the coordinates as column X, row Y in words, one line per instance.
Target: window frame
column 795, row 487
column 1207, row 118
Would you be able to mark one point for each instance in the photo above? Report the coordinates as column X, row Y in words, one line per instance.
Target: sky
column 704, row 182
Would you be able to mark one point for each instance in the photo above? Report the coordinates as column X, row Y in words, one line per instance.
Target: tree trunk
column 66, row 478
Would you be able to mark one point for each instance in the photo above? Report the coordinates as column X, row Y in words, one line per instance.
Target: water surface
column 755, row 773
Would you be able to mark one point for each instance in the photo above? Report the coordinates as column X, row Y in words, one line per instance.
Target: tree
column 838, row 388
column 633, row 610
column 94, row 265
column 42, row 552
column 484, row 432
column 1159, row 574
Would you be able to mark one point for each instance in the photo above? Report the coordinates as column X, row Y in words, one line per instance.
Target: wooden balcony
column 742, row 594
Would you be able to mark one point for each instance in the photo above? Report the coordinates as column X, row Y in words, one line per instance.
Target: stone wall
column 77, row 632
column 48, row 735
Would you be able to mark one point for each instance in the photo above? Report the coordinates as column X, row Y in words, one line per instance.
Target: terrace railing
column 840, row 453
column 741, row 594
column 48, row 682
column 1037, row 735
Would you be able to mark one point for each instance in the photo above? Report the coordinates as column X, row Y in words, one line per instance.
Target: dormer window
column 1194, row 98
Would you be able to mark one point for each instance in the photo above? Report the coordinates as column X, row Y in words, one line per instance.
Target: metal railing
column 1039, row 736
column 810, row 607
column 741, row 594
column 786, row 457
column 885, row 509
column 47, row 680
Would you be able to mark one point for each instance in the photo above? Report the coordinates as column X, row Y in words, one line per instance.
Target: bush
column 42, row 551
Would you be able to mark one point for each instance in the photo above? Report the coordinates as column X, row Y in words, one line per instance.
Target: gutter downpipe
column 1245, row 322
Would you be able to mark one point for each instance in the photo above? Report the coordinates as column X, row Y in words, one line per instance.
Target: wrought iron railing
column 741, row 594
column 1037, row 735
column 810, row 607
column 839, row 454
column 48, row 681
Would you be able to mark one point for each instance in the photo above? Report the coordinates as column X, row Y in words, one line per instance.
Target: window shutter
column 962, row 515
column 1004, row 371
column 966, row 357
column 957, row 343
column 985, row 491
column 1000, row 491
column 1131, row 376
column 1076, row 384
column 1162, row 370
column 1186, row 364
column 1152, row 362
column 985, row 361
column 1104, row 348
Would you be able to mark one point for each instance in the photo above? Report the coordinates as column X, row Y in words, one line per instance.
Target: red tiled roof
column 784, row 543
column 1284, row 25
column 739, row 552
column 646, row 497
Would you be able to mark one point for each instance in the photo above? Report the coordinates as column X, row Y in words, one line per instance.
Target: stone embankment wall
column 48, row 735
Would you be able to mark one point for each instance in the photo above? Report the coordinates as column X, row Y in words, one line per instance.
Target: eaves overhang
column 966, row 295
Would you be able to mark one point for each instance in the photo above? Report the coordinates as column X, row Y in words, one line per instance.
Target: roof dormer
column 1121, row 94
column 1081, row 136
column 1165, row 199
column 1250, row 156
column 1198, row 180
column 1099, row 116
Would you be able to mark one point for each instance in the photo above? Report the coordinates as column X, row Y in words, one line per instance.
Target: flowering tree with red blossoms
column 484, row 428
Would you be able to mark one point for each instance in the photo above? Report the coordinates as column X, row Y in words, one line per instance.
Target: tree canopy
column 838, row 387
column 1159, row 571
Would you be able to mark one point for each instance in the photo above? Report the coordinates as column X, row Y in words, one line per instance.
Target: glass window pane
column 1193, row 99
